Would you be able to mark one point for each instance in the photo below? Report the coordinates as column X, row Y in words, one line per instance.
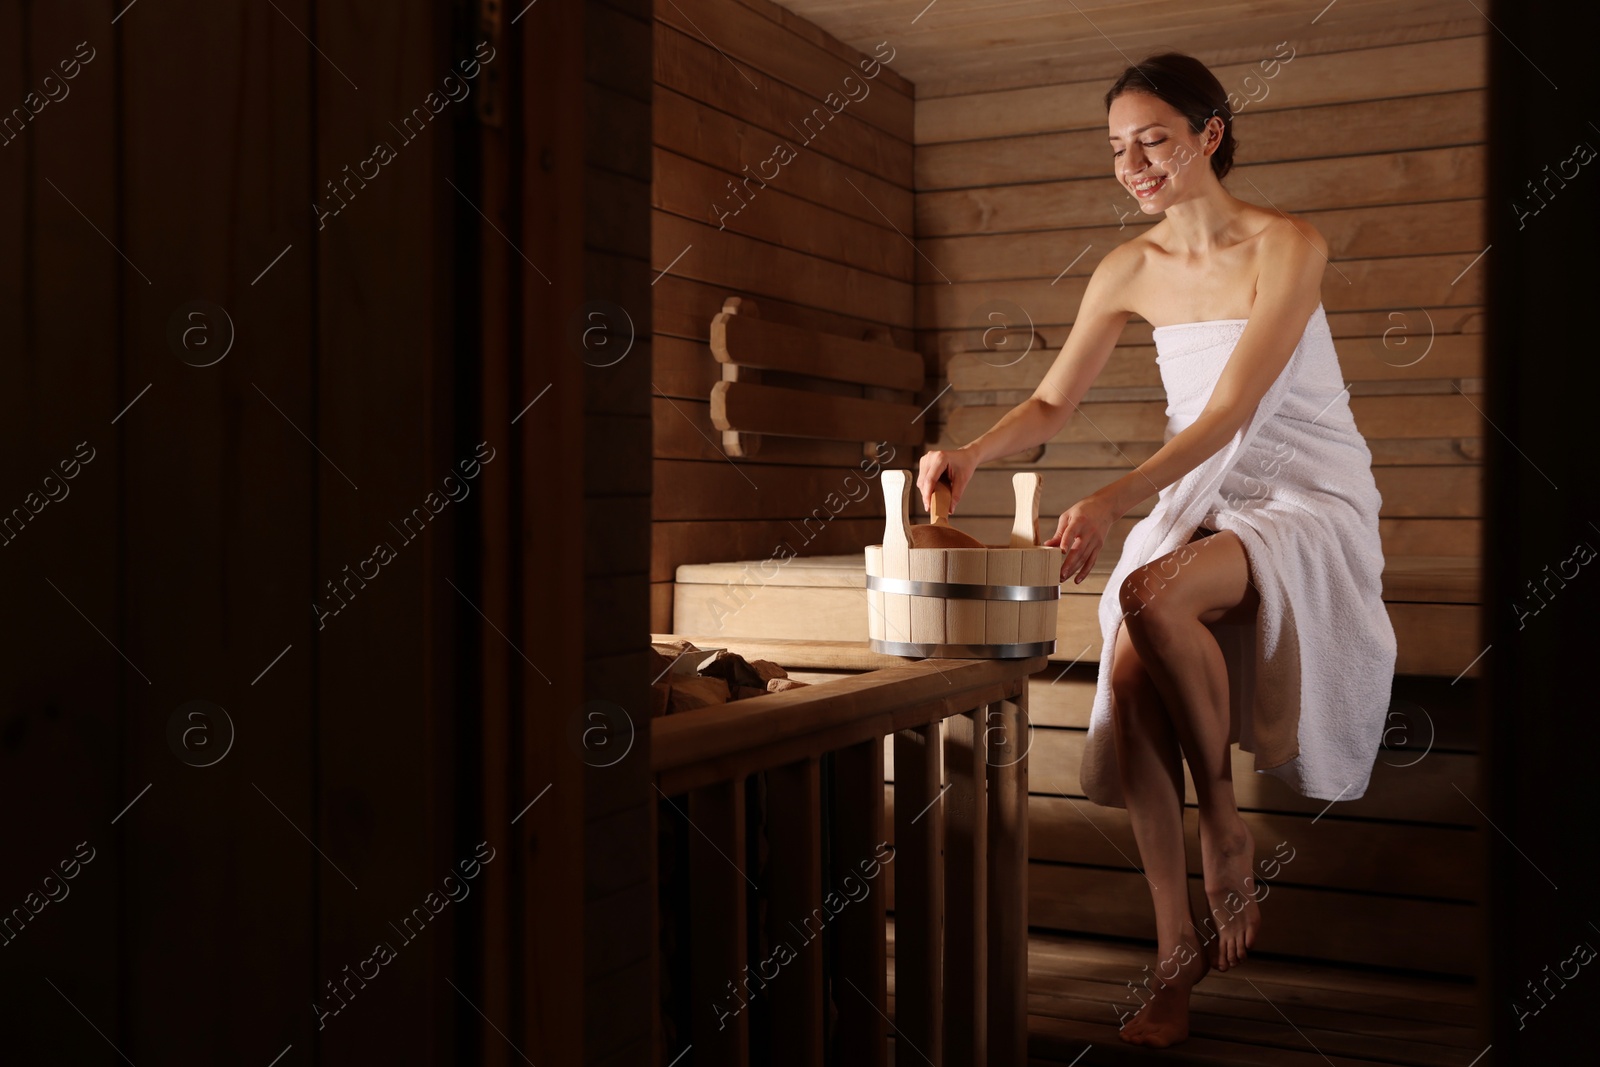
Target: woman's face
column 1154, row 155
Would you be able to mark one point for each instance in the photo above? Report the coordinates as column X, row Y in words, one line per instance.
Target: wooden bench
column 1432, row 603
column 1389, row 879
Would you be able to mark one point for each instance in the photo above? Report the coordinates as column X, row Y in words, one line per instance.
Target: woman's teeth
column 1148, row 186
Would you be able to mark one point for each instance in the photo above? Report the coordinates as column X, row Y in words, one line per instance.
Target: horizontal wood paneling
column 818, row 240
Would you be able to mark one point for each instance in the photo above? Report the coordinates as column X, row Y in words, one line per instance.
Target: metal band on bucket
column 1022, row 650
column 963, row 591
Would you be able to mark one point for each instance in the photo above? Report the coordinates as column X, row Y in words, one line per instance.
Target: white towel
column 1309, row 682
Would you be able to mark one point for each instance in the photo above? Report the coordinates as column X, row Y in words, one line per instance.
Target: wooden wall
column 191, row 552
column 817, row 246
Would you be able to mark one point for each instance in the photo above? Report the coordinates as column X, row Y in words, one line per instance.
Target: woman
column 1251, row 593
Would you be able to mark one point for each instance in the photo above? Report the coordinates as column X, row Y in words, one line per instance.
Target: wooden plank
column 1425, row 791
column 688, row 128
column 765, row 409
column 810, row 31
column 1353, row 285
column 1359, row 128
column 675, row 544
column 919, row 893
column 683, row 430
column 1374, row 930
column 1367, row 359
column 798, row 61
column 684, row 63
column 735, row 262
column 1414, row 492
column 683, row 307
column 74, row 710
column 1332, row 854
column 1446, row 226
column 764, row 209
column 753, row 342
column 1005, row 736
column 717, row 883
column 705, row 491
column 795, row 916
column 1369, row 857
column 1386, row 418
column 1370, row 73
column 1431, row 637
column 858, row 836
column 1337, row 182
column 966, row 872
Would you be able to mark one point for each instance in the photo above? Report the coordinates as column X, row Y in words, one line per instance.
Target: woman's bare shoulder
column 1291, row 233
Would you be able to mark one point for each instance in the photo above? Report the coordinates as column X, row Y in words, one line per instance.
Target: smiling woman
column 1271, row 631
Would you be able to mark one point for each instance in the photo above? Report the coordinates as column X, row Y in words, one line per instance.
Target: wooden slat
column 1357, row 128
column 1419, row 492
column 765, row 409
column 858, row 831
column 1367, row 359
column 1433, row 639
column 966, row 870
column 768, row 210
column 686, row 63
column 689, row 128
column 1423, row 792
column 1352, row 233
column 1009, row 843
column 718, row 880
column 1352, row 285
column 795, row 916
column 774, row 346
column 733, row 261
column 705, row 491
column 918, row 877
column 794, row 59
column 683, row 430
column 1372, row 73
column 1376, row 930
column 1340, row 181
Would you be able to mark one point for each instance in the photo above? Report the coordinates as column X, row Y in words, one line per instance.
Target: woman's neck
column 1201, row 224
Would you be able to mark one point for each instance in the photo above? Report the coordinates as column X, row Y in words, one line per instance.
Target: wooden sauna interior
column 970, row 189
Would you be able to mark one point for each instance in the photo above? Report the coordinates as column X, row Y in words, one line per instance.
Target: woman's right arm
column 1094, row 334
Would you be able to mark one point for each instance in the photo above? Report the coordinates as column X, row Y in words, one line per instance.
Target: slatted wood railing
column 959, row 865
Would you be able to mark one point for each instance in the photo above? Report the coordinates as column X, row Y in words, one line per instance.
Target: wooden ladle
column 939, row 533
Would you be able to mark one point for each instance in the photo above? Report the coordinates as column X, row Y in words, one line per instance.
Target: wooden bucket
column 995, row 602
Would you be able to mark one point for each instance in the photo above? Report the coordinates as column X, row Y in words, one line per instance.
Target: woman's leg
column 1151, row 766
column 1169, row 604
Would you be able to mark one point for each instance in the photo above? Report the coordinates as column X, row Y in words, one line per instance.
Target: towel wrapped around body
column 1309, row 678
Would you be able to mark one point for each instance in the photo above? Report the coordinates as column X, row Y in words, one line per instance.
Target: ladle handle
column 939, row 513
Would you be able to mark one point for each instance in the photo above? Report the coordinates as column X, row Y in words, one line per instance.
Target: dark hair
column 1190, row 87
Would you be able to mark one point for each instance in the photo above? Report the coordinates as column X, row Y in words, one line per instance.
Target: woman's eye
column 1152, row 144
column 1117, row 153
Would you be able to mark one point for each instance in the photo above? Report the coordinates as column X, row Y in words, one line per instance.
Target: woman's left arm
column 1289, row 287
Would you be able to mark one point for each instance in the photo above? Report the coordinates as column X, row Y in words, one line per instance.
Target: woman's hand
column 960, row 463
column 1081, row 534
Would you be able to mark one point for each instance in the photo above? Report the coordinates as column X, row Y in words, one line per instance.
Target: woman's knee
column 1150, row 598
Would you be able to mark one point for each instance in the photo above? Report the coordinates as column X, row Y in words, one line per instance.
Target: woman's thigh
column 1208, row 578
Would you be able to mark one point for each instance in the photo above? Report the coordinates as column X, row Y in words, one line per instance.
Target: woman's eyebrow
column 1141, row 129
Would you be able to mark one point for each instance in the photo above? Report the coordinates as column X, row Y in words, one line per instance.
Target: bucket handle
column 1025, row 527
column 896, row 508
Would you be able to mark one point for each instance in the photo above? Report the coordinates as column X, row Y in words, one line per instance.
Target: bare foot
column 1164, row 1019
column 1227, row 857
